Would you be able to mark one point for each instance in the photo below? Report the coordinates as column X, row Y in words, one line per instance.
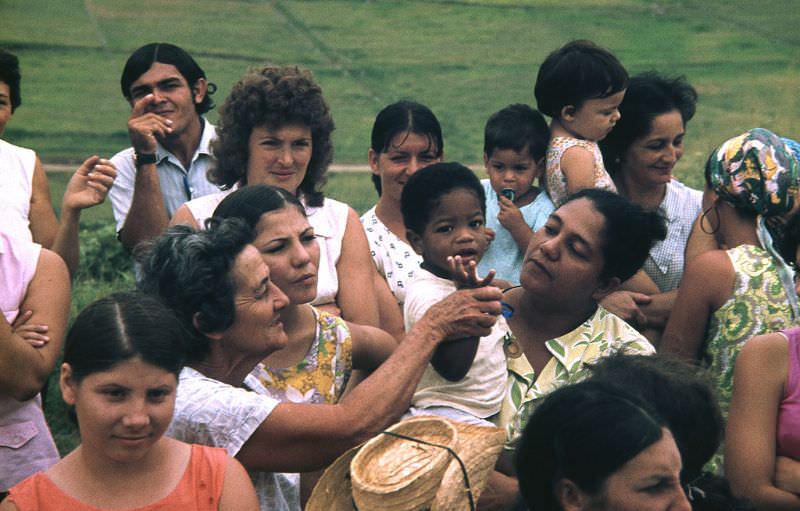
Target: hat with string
column 420, row 463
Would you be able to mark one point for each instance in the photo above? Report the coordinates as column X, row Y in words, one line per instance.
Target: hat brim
column 478, row 447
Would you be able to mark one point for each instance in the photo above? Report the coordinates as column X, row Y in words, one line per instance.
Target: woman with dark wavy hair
column 641, row 153
column 275, row 129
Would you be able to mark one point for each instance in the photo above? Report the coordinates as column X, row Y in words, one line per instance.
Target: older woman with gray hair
column 220, row 287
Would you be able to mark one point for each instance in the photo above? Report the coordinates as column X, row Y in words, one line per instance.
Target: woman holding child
column 222, row 291
column 275, row 128
column 641, row 153
column 587, row 247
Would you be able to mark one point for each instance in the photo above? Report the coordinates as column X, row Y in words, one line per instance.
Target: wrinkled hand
column 89, row 185
column 787, row 474
column 144, row 127
column 464, row 313
column 509, row 216
column 466, row 275
column 35, row 335
column 625, row 304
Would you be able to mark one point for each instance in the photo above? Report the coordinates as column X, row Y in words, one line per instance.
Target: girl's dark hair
column 577, row 71
column 9, row 73
column 681, row 393
column 648, row 96
column 516, row 127
column 584, row 433
column 120, row 327
column 405, row 117
column 191, row 273
column 251, row 202
column 142, row 60
column 628, row 235
column 273, row 96
column 425, row 188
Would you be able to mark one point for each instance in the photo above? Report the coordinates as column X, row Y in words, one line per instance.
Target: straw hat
column 413, row 465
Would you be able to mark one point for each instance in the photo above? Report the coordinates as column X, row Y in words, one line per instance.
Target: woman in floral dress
column 728, row 296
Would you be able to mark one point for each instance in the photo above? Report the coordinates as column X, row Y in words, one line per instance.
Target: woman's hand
column 90, row 184
column 626, row 304
column 35, row 335
column 464, row 313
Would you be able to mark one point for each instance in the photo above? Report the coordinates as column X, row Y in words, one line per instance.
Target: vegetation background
column 465, row 59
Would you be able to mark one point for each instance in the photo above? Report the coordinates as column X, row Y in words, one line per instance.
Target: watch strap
column 140, row 159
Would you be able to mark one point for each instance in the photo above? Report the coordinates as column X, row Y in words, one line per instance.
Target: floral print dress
column 323, row 374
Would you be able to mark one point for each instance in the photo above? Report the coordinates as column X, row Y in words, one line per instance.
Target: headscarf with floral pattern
column 758, row 172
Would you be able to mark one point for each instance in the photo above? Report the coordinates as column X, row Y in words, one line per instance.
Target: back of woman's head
column 123, row 326
column 577, row 71
column 628, row 235
column 272, row 97
column 9, row 73
column 584, row 433
column 682, row 394
column 648, row 96
column 251, row 202
column 755, row 172
column 403, row 118
column 190, row 272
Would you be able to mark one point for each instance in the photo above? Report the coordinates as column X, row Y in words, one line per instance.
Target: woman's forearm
column 301, row 437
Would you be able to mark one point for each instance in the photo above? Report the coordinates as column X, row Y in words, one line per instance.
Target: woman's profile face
column 564, row 258
column 650, row 159
column 648, row 482
column 279, row 156
column 257, row 329
column 407, row 153
column 287, row 244
column 124, row 410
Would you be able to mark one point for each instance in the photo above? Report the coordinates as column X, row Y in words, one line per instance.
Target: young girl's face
column 595, row 118
column 510, row 169
column 407, row 153
column 455, row 227
column 124, row 410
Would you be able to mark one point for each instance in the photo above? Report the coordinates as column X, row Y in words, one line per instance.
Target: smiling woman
column 275, row 129
column 121, row 361
column 641, row 153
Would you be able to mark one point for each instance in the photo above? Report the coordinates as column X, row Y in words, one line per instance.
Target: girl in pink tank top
column 762, row 442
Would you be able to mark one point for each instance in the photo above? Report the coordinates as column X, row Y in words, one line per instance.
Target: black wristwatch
column 140, row 159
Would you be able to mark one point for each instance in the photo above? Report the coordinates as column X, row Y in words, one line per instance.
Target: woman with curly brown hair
column 275, row 128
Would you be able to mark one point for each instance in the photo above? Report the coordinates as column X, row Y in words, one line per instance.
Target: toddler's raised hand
column 466, row 275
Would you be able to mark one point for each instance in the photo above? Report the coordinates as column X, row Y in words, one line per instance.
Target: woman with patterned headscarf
column 728, row 296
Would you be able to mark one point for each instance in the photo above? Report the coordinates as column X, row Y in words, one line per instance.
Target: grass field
column 465, row 59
